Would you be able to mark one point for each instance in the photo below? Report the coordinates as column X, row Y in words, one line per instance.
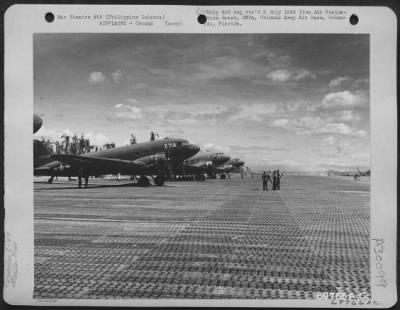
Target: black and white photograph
column 210, row 165
column 203, row 166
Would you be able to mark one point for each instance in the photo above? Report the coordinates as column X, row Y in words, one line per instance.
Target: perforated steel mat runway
column 212, row 239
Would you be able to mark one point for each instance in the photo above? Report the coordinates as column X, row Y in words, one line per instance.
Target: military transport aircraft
column 37, row 123
column 232, row 165
column 147, row 158
column 202, row 162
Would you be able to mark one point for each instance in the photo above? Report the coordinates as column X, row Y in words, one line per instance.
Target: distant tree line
column 74, row 145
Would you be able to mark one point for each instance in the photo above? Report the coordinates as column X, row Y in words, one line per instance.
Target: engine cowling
column 155, row 159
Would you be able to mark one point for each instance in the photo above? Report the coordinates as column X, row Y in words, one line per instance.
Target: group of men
column 274, row 178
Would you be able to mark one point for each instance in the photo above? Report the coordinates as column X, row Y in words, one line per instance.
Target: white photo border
column 22, row 21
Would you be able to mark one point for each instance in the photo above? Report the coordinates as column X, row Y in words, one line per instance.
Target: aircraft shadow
column 93, row 186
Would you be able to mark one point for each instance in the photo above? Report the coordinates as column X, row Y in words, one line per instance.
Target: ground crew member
column 264, row 181
column 274, row 180
column 278, row 180
column 269, row 178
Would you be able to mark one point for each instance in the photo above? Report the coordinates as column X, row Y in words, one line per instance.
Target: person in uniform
column 264, row 181
column 274, row 180
column 278, row 180
column 269, row 178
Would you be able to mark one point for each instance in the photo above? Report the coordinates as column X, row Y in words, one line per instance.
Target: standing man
column 274, row 180
column 269, row 178
column 278, row 180
column 264, row 181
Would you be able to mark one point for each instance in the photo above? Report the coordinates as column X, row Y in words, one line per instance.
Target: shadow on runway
column 94, row 186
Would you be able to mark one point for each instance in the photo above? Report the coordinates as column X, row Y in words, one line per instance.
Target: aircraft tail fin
column 41, row 154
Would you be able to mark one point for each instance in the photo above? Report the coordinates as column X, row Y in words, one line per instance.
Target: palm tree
column 74, row 145
column 81, row 144
column 58, row 147
column 47, row 144
column 65, row 143
column 152, row 136
column 109, row 145
column 88, row 148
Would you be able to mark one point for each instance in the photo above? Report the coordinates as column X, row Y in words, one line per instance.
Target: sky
column 297, row 102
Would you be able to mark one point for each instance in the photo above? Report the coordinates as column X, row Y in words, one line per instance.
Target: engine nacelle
column 155, row 159
column 209, row 164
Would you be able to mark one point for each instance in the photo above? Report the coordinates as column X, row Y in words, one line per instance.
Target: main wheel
column 223, row 176
column 159, row 180
column 197, row 177
column 143, row 181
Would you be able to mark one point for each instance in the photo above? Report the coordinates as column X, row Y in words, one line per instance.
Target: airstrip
column 211, row 239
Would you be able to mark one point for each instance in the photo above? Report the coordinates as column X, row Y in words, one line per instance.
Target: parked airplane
column 232, row 165
column 201, row 163
column 37, row 123
column 147, row 158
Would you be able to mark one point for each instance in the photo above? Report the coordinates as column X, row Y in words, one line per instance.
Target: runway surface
column 212, row 239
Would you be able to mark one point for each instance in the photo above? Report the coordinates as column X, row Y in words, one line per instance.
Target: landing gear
column 222, row 176
column 199, row 177
column 50, row 181
column 159, row 180
column 143, row 181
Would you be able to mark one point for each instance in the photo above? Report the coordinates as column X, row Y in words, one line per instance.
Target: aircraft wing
column 99, row 164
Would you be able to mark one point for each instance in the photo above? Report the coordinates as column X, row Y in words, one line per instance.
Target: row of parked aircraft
column 159, row 159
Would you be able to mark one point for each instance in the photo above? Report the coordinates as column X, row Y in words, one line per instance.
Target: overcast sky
column 294, row 102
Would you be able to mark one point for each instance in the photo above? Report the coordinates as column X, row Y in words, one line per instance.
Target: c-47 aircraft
column 147, row 158
column 232, row 165
column 202, row 162
column 37, row 123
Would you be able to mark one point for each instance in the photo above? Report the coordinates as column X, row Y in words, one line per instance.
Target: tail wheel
column 143, row 181
column 159, row 180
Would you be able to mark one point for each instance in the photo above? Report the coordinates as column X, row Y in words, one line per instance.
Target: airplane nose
column 225, row 158
column 193, row 149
